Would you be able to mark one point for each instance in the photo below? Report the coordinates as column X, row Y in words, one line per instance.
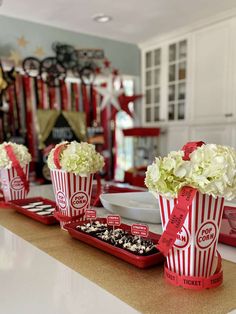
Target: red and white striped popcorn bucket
column 194, row 249
column 72, row 193
column 13, row 187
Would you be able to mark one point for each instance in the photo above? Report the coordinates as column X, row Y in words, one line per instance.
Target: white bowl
column 138, row 206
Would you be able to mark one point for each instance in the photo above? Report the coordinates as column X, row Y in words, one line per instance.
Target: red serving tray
column 47, row 220
column 227, row 234
column 138, row 261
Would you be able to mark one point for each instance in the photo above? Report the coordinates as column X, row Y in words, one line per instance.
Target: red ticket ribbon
column 57, row 154
column 193, row 282
column 189, row 148
column 177, row 218
column 16, row 165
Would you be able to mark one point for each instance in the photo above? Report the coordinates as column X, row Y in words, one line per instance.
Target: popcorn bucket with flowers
column 72, row 166
column 14, row 171
column 191, row 186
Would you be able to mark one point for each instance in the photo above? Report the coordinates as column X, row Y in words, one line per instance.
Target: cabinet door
column 177, row 137
column 217, row 134
column 211, row 73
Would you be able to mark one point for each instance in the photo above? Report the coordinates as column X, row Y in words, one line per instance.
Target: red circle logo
column 17, row 184
column 206, row 235
column 79, row 200
column 182, row 239
column 61, row 200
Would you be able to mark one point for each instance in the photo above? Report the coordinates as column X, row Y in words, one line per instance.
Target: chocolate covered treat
column 120, row 238
column 92, row 228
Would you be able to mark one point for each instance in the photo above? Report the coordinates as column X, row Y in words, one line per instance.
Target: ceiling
column 133, row 21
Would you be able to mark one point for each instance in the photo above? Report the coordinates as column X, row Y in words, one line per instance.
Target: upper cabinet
column 164, row 71
column 191, row 77
column 211, row 74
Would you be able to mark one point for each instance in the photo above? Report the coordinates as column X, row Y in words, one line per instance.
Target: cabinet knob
column 228, row 115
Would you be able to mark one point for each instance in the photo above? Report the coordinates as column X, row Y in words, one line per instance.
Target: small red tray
column 138, row 261
column 227, row 234
column 47, row 220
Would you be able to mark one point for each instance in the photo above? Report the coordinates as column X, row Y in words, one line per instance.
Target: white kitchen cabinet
column 197, row 85
column 211, row 74
column 164, row 76
column 216, row 133
column 176, row 137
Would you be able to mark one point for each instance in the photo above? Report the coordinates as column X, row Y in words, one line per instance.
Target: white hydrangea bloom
column 211, row 169
column 167, row 175
column 79, row 158
column 20, row 151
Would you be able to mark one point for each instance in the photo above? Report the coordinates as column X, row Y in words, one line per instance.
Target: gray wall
column 124, row 56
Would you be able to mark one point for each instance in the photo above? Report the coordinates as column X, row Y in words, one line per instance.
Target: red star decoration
column 125, row 100
column 124, row 104
column 107, row 63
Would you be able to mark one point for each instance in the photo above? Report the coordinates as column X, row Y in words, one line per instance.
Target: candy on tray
column 36, row 203
column 28, row 206
column 44, row 206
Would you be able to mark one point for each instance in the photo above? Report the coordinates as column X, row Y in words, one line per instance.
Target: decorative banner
column 86, row 104
column 140, row 230
column 113, row 220
column 75, row 88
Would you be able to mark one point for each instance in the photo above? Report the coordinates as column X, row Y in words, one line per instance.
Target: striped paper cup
column 195, row 247
column 72, row 193
column 12, row 185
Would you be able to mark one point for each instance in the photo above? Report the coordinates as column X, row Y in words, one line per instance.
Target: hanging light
column 102, row 18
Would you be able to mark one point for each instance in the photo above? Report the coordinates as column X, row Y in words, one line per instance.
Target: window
column 152, row 85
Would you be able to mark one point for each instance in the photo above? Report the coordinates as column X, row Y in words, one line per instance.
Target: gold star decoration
column 15, row 56
column 39, row 52
column 22, row 42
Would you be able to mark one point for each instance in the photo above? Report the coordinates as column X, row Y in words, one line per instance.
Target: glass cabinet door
column 165, row 78
column 177, row 68
column 152, row 85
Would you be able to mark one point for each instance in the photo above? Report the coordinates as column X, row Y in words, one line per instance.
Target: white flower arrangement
column 211, row 169
column 78, row 158
column 20, row 151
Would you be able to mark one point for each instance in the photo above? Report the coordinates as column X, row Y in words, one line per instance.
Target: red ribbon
column 196, row 283
column 57, row 153
column 189, row 148
column 86, row 103
column 52, row 98
column 76, row 96
column 176, row 219
column 16, row 165
column 94, row 104
column 181, row 208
